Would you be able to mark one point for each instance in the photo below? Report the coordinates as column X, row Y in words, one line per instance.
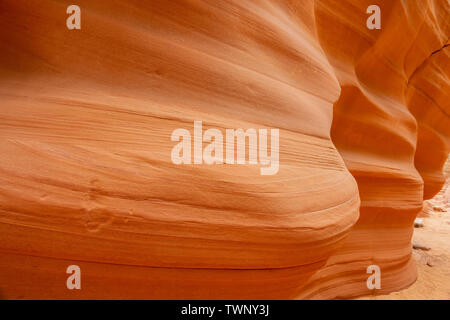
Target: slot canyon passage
column 86, row 119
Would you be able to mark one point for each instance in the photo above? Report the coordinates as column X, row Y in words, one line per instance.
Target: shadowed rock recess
column 86, row 176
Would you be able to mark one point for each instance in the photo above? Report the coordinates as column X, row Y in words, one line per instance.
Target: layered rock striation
column 86, row 123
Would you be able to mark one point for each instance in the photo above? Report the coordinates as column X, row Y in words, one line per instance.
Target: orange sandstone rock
column 87, row 115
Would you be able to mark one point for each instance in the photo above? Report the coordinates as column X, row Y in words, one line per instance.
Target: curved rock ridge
column 87, row 117
column 391, row 126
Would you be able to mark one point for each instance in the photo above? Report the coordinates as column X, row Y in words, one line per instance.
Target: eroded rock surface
column 87, row 115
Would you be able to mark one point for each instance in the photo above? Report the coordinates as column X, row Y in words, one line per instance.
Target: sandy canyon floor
column 433, row 280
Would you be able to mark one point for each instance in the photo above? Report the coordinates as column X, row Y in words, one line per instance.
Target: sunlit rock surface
column 87, row 115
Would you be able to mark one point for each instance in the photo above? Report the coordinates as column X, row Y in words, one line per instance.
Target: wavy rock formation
column 87, row 116
column 390, row 125
column 441, row 201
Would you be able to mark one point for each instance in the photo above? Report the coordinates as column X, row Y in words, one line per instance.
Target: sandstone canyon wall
column 86, row 120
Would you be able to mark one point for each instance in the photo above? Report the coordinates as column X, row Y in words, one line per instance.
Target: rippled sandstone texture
column 87, row 179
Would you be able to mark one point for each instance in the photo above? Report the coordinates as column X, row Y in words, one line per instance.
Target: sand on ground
column 433, row 266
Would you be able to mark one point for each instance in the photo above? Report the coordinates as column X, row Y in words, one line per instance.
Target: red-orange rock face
column 85, row 163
